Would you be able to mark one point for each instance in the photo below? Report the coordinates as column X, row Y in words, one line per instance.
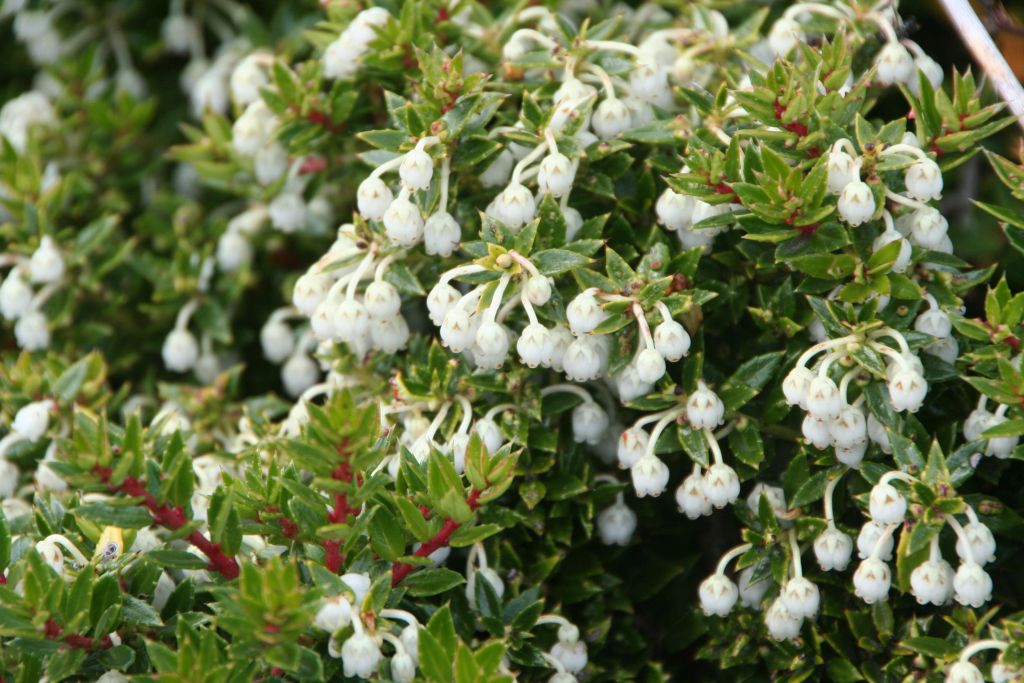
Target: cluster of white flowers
column 23, row 306
column 934, row 580
column 361, row 652
column 831, row 419
column 894, row 64
column 420, row 433
column 981, row 420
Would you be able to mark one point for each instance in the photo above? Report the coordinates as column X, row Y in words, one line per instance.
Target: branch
column 440, row 540
column 987, row 55
column 173, row 518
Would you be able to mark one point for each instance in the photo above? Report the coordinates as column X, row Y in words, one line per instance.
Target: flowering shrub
column 600, row 273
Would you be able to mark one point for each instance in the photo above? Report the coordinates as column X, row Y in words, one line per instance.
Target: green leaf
column 557, row 261
column 811, row 490
column 386, row 534
column 427, row 582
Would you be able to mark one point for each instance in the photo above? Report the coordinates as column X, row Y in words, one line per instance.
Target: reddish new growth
column 54, row 631
column 173, row 518
column 339, row 514
column 440, row 540
column 794, row 127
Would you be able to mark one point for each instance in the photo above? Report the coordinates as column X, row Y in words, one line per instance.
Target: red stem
column 173, row 518
column 440, row 540
column 54, row 631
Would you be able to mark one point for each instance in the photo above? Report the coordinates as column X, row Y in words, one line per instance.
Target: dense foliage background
column 233, row 508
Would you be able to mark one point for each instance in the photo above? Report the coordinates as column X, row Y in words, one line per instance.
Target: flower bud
column 800, row 597
column 416, row 170
column 32, row 331
column 492, row 340
column 403, row 669
column 886, row 504
column 856, row 203
column 823, row 399
column 780, row 623
column 441, row 234
column 390, row 334
column 976, row 423
column 870, row 534
column 671, row 340
column 923, row 180
column 946, row 349
column 299, row 373
column 674, row 210
column 514, row 206
column 632, row 445
column 776, row 500
column 558, row 340
column 611, row 118
column 721, row 485
column 932, row 582
column 360, row 655
column 972, row 585
column 589, row 422
column 233, row 251
column 832, row 549
column 32, row 419
column 373, row 197
column 572, row 655
column 964, row 672
column 490, row 434
column 906, row 250
column 784, row 36
column 718, row 595
column 180, row 351
column 842, row 170
column 878, row 434
column 381, row 299
column 499, row 170
column 310, row 290
column 982, row 544
column 928, row 228
column 1000, row 446
column 573, row 222
column 403, row 222
column 270, row 163
column 335, row 613
column 351, row 322
column 704, row 409
column 616, row 524
column 650, row 365
column 849, row 428
column 46, row 264
column 894, row 64
column 15, row 296
column 650, row 476
column 532, row 344
column 288, row 212
column 253, row 129
column 555, row 174
column 871, row 581
column 1004, row 673
column 581, row 361
column 457, row 330
column 907, row 390
column 796, row 385
column 751, row 594
column 692, row 498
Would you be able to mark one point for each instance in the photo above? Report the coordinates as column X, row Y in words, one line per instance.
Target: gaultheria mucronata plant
column 466, row 341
